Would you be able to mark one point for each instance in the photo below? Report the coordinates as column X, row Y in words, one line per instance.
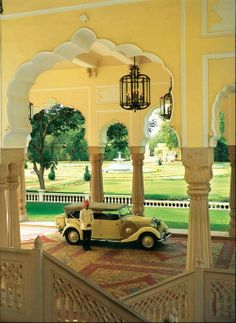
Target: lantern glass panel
column 135, row 90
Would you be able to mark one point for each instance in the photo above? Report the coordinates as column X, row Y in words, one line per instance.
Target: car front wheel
column 148, row 241
column 72, row 236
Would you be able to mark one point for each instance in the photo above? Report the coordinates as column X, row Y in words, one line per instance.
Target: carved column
column 137, row 155
column 232, row 203
column 13, row 208
column 21, row 194
column 3, row 207
column 198, row 173
column 96, row 182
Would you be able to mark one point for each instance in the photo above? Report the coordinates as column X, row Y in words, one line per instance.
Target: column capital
column 14, row 171
column 3, row 171
column 12, row 155
column 198, row 168
column 199, row 156
column 137, row 150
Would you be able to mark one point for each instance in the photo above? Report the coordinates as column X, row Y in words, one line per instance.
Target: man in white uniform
column 86, row 221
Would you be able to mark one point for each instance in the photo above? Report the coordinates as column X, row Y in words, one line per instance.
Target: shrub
column 52, row 174
column 87, row 175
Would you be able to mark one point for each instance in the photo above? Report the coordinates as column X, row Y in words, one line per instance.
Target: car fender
column 136, row 235
column 72, row 225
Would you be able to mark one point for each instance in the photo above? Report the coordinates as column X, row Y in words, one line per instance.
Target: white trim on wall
column 82, row 6
column 205, row 31
column 183, row 71
column 205, row 80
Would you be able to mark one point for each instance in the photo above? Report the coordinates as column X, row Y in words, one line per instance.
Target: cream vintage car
column 113, row 222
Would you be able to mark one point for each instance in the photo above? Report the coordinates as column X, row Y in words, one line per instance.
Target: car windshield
column 125, row 211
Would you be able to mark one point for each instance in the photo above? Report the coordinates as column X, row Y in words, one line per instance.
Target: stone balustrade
column 36, row 287
column 126, row 199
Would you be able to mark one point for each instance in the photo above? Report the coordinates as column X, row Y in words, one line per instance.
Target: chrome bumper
column 166, row 236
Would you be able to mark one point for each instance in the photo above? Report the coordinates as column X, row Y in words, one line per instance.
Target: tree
column 46, row 125
column 168, row 135
column 221, row 153
column 165, row 135
column 74, row 139
column 117, row 140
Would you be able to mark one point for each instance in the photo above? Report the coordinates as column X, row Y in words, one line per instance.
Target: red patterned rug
column 124, row 269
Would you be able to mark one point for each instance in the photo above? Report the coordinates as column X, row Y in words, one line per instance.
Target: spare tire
column 128, row 229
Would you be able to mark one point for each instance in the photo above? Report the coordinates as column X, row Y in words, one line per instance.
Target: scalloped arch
column 26, row 75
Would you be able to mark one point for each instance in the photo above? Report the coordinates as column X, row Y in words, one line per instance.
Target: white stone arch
column 26, row 75
column 226, row 91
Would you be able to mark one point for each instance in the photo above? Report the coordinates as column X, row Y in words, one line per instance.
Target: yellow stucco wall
column 179, row 32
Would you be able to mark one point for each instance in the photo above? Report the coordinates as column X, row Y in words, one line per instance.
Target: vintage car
column 113, row 222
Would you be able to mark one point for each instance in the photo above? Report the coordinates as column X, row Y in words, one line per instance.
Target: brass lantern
column 134, row 90
column 166, row 103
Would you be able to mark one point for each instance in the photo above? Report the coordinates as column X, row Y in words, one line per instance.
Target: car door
column 96, row 228
column 110, row 229
column 106, row 226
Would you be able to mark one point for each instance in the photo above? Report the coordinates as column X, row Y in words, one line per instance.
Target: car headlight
column 154, row 224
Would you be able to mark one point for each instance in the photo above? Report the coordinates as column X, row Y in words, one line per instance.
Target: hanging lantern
column 134, row 90
column 166, row 104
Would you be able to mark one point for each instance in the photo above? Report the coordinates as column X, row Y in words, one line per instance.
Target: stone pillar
column 137, row 155
column 96, row 182
column 21, row 194
column 232, row 203
column 3, row 206
column 13, row 208
column 198, row 173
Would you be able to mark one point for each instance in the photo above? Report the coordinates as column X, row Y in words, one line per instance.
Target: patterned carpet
column 124, row 269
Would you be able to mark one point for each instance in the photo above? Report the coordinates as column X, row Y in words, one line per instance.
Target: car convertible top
column 95, row 206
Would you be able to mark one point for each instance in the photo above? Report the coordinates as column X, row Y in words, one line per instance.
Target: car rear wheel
column 148, row 241
column 72, row 236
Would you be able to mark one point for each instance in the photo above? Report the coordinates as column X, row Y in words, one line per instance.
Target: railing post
column 37, row 282
column 198, row 296
column 41, row 195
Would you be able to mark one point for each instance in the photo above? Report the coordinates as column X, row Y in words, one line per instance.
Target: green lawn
column 174, row 218
column 160, row 182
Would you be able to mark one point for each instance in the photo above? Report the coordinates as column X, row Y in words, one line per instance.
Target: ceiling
column 100, row 55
